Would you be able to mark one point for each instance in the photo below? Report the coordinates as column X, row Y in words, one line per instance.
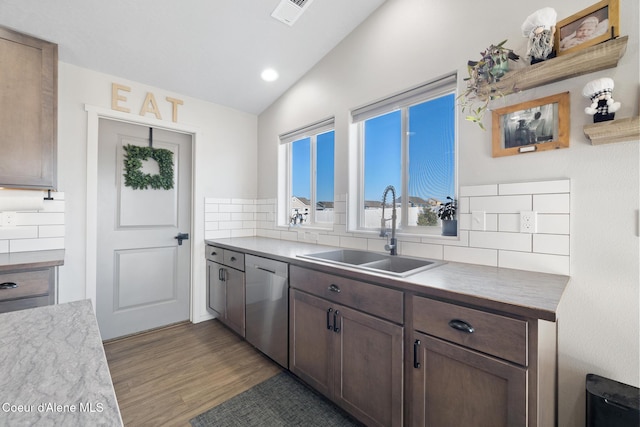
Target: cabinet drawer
column 234, row 259
column 215, row 254
column 30, row 283
column 493, row 334
column 23, row 303
column 372, row 299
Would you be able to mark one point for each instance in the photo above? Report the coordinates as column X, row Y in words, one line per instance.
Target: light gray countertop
column 53, row 370
column 30, row 260
column 517, row 292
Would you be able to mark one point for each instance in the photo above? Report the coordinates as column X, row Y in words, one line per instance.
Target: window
column 408, row 141
column 309, row 154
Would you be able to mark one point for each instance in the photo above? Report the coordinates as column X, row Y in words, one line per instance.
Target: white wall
column 225, row 162
column 407, row 42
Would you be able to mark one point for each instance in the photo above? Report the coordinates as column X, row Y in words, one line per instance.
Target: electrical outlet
column 528, row 222
column 478, row 220
column 8, row 219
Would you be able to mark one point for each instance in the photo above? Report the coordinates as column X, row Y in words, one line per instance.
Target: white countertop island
column 53, row 370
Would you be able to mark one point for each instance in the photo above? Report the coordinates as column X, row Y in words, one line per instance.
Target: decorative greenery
column 136, row 179
column 494, row 63
column 447, row 210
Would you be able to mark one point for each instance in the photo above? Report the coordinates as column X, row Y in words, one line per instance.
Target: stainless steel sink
column 347, row 256
column 399, row 266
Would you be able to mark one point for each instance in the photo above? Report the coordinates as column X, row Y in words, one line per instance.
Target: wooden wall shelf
column 595, row 58
column 613, row 131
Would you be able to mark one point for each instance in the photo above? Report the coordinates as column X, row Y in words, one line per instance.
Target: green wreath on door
column 138, row 180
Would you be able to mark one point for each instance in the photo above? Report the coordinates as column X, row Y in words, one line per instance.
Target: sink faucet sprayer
column 392, row 245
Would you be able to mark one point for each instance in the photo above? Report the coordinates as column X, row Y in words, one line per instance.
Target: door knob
column 182, row 236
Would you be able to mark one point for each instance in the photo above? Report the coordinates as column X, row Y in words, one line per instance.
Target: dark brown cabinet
column 226, row 287
column 21, row 289
column 455, row 386
column 347, row 354
column 472, row 367
column 28, row 111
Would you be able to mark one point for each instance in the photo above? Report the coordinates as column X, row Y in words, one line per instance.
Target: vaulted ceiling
column 213, row 50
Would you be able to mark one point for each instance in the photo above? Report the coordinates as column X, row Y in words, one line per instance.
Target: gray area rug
column 279, row 401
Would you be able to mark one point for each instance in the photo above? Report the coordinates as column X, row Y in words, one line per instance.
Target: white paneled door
column 143, row 271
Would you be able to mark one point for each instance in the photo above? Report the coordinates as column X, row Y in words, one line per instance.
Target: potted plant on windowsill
column 494, row 63
column 447, row 213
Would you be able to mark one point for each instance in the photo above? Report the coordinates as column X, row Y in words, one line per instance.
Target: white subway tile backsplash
column 217, row 200
column 26, row 245
column 471, row 255
column 543, row 263
column 217, row 216
column 36, row 230
column 53, row 206
column 501, row 204
column 26, row 232
column 478, row 190
column 495, row 240
column 421, row 250
column 541, row 187
column 211, row 207
column 353, row 242
column 242, row 201
column 211, row 225
column 463, row 205
column 328, row 239
column 230, row 225
column 45, row 231
column 242, row 233
column 242, row 216
column 509, row 223
column 39, row 218
column 553, row 223
column 217, row 234
column 230, row 208
column 464, row 221
column 499, row 244
column 551, row 244
column 551, row 203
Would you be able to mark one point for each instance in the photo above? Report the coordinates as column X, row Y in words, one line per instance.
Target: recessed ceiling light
column 269, row 75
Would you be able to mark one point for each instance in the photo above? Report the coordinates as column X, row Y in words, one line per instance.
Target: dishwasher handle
column 265, row 269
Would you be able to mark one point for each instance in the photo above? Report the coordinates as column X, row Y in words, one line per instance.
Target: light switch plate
column 478, row 220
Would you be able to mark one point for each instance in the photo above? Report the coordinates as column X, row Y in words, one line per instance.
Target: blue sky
column 301, row 172
column 431, row 156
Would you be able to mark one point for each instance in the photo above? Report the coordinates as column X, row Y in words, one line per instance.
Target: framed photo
column 538, row 125
column 593, row 25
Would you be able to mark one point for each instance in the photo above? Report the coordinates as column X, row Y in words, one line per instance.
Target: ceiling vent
column 288, row 11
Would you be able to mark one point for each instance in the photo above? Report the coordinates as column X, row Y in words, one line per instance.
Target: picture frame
column 595, row 24
column 538, row 125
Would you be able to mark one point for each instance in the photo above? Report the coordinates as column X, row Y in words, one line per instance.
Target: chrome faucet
column 392, row 246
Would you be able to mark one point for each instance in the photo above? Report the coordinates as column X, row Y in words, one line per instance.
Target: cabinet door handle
column 461, row 325
column 334, row 288
column 416, row 345
column 221, row 274
column 328, row 318
column 336, row 327
column 8, row 285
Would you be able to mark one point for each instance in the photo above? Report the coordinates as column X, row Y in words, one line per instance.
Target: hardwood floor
column 168, row 376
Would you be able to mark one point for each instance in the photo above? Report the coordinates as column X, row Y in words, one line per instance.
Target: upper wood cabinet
column 28, row 111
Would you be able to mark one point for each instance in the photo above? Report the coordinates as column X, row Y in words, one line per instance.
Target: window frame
column 402, row 101
column 286, row 156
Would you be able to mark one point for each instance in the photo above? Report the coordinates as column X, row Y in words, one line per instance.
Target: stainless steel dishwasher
column 267, row 307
